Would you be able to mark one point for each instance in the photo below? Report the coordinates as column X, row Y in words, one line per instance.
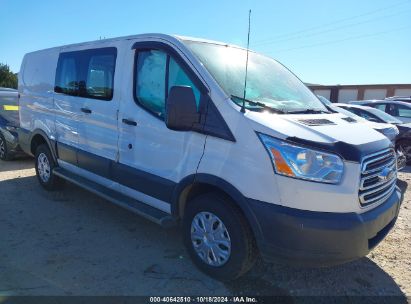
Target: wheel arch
column 197, row 184
column 39, row 137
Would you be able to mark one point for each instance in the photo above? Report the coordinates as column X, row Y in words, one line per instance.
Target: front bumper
column 321, row 238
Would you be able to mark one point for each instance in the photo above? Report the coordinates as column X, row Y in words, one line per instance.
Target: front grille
column 373, row 187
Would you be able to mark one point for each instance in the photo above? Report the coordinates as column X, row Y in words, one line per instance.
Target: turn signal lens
column 281, row 164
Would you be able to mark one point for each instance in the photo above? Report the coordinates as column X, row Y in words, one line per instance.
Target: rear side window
column 88, row 73
column 67, row 80
column 156, row 73
column 100, row 76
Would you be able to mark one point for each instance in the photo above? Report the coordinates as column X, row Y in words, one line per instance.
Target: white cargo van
column 158, row 124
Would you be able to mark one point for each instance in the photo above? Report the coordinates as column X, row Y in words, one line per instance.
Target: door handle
column 129, row 122
column 85, row 110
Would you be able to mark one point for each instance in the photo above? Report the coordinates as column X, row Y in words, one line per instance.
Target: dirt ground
column 74, row 243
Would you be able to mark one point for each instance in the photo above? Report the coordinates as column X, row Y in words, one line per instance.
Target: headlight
column 301, row 162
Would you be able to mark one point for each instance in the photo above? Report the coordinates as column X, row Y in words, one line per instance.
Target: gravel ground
column 74, row 243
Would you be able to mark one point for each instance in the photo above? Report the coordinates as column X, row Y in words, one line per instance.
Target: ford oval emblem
column 386, row 174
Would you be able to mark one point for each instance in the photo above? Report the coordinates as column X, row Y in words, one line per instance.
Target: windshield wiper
column 309, row 111
column 260, row 104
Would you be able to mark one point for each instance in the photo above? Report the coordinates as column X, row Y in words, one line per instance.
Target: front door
column 152, row 158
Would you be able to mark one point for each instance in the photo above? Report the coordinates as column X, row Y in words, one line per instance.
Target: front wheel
column 218, row 237
column 44, row 169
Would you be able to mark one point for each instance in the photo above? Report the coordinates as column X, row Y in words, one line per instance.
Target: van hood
column 332, row 132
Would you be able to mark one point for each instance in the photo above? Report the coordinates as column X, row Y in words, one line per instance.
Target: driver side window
column 156, row 73
column 150, row 81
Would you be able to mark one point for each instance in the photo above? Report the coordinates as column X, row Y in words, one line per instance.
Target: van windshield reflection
column 268, row 81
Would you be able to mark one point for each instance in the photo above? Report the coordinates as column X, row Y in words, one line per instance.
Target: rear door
column 67, row 107
column 98, row 134
column 86, row 109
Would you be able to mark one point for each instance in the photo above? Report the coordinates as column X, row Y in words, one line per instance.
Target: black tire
column 243, row 248
column 53, row 182
column 405, row 146
column 4, row 151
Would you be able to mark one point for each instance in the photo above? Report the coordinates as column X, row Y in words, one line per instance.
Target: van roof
column 208, row 41
column 147, row 35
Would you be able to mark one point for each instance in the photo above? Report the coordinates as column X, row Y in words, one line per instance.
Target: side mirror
column 181, row 109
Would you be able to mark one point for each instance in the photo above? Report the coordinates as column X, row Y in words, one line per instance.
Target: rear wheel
column 218, row 237
column 44, row 169
column 4, row 152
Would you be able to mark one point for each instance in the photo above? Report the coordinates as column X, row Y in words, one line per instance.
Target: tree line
column 8, row 79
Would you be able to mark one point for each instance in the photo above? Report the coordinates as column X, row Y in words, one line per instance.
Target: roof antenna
column 246, row 63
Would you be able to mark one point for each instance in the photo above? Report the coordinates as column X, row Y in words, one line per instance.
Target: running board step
column 157, row 216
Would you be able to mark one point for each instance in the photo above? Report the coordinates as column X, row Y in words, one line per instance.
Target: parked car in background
column 389, row 130
column 398, row 109
column 9, row 123
column 385, row 128
column 403, row 137
column 399, row 98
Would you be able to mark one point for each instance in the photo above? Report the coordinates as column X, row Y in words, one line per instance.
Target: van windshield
column 268, row 81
